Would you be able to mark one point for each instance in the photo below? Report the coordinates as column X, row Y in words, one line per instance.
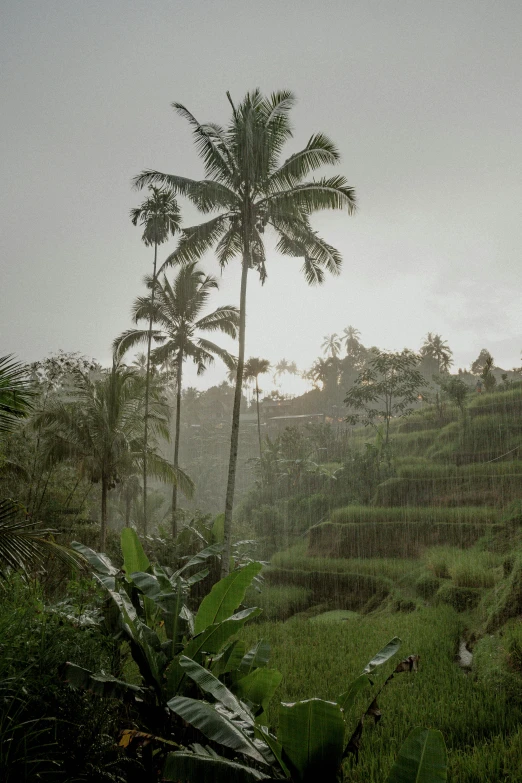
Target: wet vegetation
column 202, row 587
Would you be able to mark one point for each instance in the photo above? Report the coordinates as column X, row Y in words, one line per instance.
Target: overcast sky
column 423, row 100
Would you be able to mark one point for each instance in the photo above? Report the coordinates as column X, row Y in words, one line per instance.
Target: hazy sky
column 423, row 100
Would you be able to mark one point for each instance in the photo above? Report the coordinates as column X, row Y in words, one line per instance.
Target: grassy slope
column 321, row 659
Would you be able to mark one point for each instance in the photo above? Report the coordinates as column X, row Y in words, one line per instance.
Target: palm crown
column 159, row 215
column 252, row 189
column 437, row 348
column 178, row 312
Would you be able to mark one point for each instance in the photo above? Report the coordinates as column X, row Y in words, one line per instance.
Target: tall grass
column 322, row 659
column 351, row 514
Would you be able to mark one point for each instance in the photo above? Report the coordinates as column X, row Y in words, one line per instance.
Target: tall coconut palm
column 254, row 367
column 252, row 189
column 160, row 217
column 331, row 345
column 177, row 312
column 350, row 338
column 285, row 366
column 99, row 426
column 437, row 348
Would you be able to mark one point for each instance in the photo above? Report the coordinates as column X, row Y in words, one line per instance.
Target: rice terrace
column 261, row 512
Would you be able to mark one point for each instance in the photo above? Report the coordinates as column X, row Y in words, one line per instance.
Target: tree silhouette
column 253, row 190
column 160, row 217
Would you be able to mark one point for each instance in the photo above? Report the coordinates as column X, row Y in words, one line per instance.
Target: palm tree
column 249, row 186
column 350, row 338
column 255, row 367
column 160, row 217
column 16, row 393
column 99, row 425
column 178, row 313
column 435, row 347
column 331, row 345
column 285, row 366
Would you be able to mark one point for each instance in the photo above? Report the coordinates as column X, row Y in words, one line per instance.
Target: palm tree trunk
column 258, row 420
column 103, row 529
column 234, row 438
column 176, row 445
column 147, row 386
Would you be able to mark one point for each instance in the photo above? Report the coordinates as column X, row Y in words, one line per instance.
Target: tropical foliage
column 252, row 190
column 177, row 313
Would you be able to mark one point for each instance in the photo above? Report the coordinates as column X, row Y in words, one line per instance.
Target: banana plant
column 313, row 739
column 150, row 610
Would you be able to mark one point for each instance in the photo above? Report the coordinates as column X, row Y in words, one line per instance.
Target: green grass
column 321, row 659
column 467, row 568
column 335, row 616
column 279, row 602
column 390, row 568
column 352, row 514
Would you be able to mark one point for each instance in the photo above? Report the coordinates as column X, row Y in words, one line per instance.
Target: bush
column 462, row 599
column 426, row 586
column 467, row 568
column 508, row 602
column 44, row 725
column 279, row 602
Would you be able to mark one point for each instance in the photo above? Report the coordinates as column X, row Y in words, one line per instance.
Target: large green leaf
column 101, row 684
column 200, row 557
column 218, row 725
column 383, row 655
column 210, row 684
column 134, row 558
column 312, row 735
column 185, row 767
column 225, row 596
column 347, row 699
column 214, row 636
column 230, row 659
column 256, row 657
column 422, row 759
column 210, row 641
column 258, row 687
column 98, row 561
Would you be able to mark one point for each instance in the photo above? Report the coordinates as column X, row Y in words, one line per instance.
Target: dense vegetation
column 201, row 587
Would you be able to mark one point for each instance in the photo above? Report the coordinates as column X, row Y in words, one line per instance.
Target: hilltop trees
column 250, row 187
column 178, row 313
column 386, row 388
column 99, row 426
column 437, row 348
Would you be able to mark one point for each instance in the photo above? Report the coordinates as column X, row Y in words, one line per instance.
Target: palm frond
column 16, row 392
column 24, row 545
column 224, row 319
column 161, row 469
column 319, row 151
column 195, row 241
column 324, row 193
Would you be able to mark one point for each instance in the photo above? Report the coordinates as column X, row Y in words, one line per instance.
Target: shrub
column 509, row 599
column 462, row 599
column 279, row 602
column 426, row 586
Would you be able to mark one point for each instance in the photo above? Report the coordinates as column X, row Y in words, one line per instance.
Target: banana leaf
column 225, row 597
column 422, row 759
column 312, row 736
